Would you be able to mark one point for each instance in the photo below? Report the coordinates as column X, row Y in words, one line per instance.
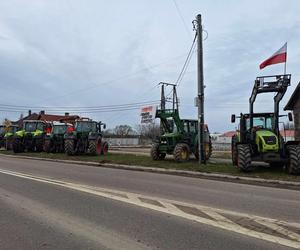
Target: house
column 226, row 137
column 294, row 105
column 47, row 118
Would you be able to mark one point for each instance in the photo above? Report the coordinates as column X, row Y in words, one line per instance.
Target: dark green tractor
column 2, row 133
column 54, row 139
column 9, row 135
column 258, row 137
column 85, row 138
column 179, row 137
column 31, row 137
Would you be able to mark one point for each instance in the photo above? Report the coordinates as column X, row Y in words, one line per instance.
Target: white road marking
column 219, row 220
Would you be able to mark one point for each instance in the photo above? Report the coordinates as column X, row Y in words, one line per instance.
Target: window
column 59, row 129
column 263, row 122
column 86, row 126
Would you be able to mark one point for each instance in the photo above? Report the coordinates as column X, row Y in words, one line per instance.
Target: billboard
column 148, row 114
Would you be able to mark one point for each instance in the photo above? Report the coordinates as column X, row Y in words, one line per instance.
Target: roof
column 228, row 134
column 52, row 118
column 295, row 96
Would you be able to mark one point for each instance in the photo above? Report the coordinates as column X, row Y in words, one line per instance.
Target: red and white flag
column 279, row 56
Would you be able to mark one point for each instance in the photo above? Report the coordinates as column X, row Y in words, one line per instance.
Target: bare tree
column 150, row 131
column 123, row 130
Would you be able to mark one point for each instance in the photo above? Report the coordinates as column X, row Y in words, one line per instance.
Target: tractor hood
column 168, row 135
column 267, row 141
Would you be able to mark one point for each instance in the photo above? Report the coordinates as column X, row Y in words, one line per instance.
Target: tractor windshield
column 86, row 126
column 32, row 126
column 60, row 129
column 261, row 122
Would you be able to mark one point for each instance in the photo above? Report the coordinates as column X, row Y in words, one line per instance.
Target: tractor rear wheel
column 155, row 154
column 47, row 146
column 234, row 152
column 181, row 152
column 39, row 145
column 293, row 165
column 95, row 147
column 104, row 149
column 18, row 146
column 70, row 147
column 244, row 157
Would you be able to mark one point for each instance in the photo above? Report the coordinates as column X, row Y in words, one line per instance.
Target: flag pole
column 285, row 59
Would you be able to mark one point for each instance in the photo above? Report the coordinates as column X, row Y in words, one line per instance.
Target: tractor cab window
column 2, row 130
column 261, row 122
column 60, row 129
column 86, row 126
column 40, row 126
column 30, row 126
column 193, row 127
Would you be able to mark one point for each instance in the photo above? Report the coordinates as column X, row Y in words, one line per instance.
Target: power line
column 182, row 19
column 9, row 106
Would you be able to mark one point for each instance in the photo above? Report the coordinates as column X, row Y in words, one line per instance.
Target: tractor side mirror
column 232, row 118
column 290, row 116
column 104, row 126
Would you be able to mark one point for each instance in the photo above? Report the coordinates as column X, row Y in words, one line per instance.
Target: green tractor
column 2, row 133
column 180, row 138
column 8, row 136
column 31, row 137
column 258, row 137
column 85, row 138
column 54, row 138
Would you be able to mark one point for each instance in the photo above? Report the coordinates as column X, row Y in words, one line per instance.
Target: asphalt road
column 82, row 207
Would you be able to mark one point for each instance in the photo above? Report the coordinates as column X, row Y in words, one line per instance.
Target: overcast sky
column 89, row 53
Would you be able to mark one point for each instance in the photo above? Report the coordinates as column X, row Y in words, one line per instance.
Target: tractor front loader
column 179, row 136
column 258, row 137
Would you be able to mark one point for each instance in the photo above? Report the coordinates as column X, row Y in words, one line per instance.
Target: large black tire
column 244, row 157
column 234, row 152
column 95, row 147
column 17, row 145
column 181, row 152
column 155, row 154
column 92, row 147
column 47, row 146
column 39, row 145
column 293, row 165
column 8, row 143
column 104, row 149
column 70, row 147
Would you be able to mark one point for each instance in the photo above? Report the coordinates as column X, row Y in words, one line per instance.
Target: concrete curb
column 186, row 173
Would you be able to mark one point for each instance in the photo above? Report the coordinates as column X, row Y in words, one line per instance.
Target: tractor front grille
column 270, row 140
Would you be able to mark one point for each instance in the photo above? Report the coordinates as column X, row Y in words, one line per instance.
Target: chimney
column 42, row 112
column 67, row 114
column 29, row 112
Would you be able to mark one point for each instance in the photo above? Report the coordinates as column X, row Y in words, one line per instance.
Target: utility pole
column 200, row 90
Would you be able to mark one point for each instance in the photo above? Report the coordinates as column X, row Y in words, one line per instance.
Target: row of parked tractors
column 83, row 137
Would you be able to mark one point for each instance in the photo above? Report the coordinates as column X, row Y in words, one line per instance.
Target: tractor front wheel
column 293, row 165
column 155, row 154
column 70, row 147
column 244, row 157
column 104, row 149
column 181, row 152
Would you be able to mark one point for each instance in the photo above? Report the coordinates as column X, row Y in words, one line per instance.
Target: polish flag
column 278, row 57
